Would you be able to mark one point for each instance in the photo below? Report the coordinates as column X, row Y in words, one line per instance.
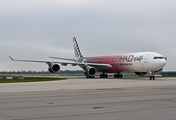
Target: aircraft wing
column 47, row 62
column 63, row 58
column 98, row 66
column 95, row 65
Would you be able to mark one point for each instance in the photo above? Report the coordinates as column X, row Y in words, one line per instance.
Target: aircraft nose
column 163, row 63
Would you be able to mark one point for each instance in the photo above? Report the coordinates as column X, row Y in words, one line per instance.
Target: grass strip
column 29, row 79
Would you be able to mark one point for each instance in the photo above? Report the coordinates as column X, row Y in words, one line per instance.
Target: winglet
column 11, row 58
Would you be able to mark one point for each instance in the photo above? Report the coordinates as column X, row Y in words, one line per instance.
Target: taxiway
column 90, row 99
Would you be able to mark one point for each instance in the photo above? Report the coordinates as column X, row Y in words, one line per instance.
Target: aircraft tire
column 115, row 76
column 118, row 75
column 101, row 76
column 106, row 76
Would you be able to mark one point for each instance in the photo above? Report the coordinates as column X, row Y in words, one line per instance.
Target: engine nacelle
column 53, row 68
column 90, row 71
column 141, row 73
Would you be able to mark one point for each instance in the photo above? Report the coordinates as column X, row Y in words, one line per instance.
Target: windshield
column 158, row 58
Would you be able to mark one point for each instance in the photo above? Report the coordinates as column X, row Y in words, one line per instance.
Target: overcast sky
column 37, row 29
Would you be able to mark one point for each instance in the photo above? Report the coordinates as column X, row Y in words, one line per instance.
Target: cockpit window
column 158, row 58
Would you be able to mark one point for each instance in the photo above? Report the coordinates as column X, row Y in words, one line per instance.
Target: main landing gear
column 103, row 75
column 118, row 75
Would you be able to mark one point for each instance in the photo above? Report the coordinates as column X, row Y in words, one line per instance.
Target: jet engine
column 53, row 67
column 90, row 72
column 141, row 73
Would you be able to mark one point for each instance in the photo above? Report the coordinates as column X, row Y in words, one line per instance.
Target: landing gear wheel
column 152, row 77
column 118, row 75
column 101, row 75
column 106, row 76
column 115, row 76
column 121, row 76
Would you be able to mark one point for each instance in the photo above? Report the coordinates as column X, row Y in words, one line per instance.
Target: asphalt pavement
column 90, row 99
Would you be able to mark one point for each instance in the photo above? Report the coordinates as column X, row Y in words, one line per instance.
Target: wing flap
column 63, row 58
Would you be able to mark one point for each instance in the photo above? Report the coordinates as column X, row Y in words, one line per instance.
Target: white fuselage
column 136, row 62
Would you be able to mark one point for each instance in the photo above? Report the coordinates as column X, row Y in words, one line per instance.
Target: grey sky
column 36, row 29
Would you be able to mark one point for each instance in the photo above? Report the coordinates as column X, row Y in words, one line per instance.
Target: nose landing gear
column 152, row 75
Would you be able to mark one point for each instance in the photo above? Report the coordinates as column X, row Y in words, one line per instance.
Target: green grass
column 29, row 79
column 170, row 76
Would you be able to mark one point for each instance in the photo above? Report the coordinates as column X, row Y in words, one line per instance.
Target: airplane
column 142, row 63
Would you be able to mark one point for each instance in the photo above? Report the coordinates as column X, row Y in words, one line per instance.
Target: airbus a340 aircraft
column 142, row 63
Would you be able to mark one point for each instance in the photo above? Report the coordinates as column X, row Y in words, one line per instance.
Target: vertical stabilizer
column 76, row 49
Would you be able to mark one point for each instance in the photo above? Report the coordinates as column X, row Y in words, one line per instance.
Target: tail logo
column 76, row 49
